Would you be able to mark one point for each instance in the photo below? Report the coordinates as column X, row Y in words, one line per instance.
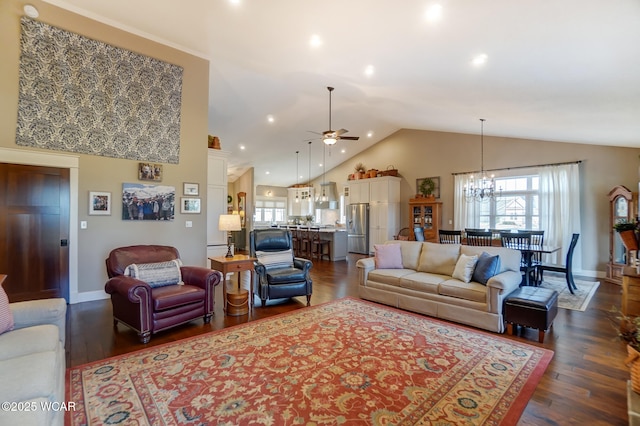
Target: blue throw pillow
column 487, row 267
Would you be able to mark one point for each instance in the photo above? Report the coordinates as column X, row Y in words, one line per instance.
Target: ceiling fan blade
column 341, row 131
column 315, row 133
column 349, row 138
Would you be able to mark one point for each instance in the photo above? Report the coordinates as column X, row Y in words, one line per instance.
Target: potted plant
column 360, row 170
column 427, row 186
column 627, row 231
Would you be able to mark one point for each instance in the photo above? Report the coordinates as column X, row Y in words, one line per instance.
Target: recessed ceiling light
column 31, row 11
column 343, row 150
column 433, row 13
column 234, row 2
column 315, row 41
column 479, row 60
column 369, row 70
column 370, row 134
column 267, row 172
column 242, row 147
column 270, row 118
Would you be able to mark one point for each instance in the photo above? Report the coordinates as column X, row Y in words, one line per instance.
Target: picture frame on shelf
column 191, row 189
column 99, row 203
column 436, row 186
column 189, row 205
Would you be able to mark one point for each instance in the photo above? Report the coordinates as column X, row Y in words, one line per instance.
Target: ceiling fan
column 330, row 137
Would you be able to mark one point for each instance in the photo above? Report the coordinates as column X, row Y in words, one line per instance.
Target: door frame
column 62, row 161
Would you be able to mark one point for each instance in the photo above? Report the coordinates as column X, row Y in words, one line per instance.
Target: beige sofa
column 425, row 285
column 32, row 364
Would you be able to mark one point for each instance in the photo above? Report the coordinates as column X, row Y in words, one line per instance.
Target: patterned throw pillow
column 158, row 274
column 6, row 317
column 275, row 259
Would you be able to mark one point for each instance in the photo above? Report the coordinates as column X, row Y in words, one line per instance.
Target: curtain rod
column 520, row 167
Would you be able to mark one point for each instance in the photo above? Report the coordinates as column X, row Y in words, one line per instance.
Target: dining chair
column 567, row 269
column 403, row 235
column 479, row 238
column 521, row 241
column 449, row 237
column 537, row 239
column 418, row 231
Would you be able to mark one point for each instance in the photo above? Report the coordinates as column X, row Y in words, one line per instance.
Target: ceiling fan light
column 330, row 141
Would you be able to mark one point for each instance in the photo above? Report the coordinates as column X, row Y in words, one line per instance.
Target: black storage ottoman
column 534, row 307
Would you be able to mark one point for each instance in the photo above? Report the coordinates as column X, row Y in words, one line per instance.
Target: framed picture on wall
column 147, row 201
column 430, row 185
column 190, row 189
column 189, row 205
column 150, row 171
column 99, row 203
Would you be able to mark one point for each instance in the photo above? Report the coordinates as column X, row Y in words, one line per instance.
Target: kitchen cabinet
column 427, row 215
column 384, row 222
column 383, row 196
column 359, row 191
column 304, row 206
column 217, row 161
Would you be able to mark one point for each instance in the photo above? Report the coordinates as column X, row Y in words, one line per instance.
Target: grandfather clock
column 623, row 206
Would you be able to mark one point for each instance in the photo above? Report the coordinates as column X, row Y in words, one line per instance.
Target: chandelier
column 483, row 188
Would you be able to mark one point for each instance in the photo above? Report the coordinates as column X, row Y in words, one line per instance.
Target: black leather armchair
column 278, row 273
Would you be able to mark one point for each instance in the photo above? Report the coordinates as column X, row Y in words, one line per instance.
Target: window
column 517, row 207
column 270, row 210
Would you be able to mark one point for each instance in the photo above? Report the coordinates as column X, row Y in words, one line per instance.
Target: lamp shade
column 229, row 222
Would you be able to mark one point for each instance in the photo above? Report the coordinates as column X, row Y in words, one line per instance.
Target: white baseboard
column 88, row 296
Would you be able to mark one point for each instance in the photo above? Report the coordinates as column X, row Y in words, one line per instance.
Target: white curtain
column 559, row 205
column 560, row 209
column 465, row 214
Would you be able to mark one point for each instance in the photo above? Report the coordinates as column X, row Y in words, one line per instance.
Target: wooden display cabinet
column 427, row 215
column 622, row 207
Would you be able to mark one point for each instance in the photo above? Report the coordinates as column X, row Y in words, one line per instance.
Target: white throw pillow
column 465, row 267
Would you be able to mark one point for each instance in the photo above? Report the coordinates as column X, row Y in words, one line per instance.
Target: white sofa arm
column 365, row 266
column 506, row 281
column 43, row 311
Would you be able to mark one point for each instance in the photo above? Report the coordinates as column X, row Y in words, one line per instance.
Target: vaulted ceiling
column 551, row 70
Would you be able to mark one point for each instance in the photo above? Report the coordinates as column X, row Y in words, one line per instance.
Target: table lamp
column 228, row 223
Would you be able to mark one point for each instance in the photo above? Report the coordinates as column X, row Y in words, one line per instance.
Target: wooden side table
column 237, row 263
column 630, row 291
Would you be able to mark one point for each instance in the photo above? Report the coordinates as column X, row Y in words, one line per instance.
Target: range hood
column 327, row 197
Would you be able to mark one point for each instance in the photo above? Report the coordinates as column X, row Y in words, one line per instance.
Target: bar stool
column 318, row 245
column 304, row 238
column 295, row 240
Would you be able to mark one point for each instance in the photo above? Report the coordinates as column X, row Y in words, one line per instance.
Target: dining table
column 528, row 254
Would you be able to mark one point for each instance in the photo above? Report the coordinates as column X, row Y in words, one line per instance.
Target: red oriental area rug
column 345, row 362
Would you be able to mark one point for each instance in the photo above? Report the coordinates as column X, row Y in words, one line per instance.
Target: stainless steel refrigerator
column 358, row 228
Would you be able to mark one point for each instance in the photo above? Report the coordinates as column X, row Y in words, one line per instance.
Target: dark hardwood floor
column 584, row 384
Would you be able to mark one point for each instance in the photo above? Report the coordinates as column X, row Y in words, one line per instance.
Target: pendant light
column 297, row 175
column 483, row 188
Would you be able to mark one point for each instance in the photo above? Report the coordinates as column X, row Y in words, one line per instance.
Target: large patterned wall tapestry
column 85, row 96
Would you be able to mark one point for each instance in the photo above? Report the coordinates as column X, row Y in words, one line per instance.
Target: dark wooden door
column 34, row 231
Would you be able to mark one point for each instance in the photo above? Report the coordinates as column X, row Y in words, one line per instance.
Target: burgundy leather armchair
column 150, row 310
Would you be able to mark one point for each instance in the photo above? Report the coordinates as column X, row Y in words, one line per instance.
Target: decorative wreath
column 427, row 186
